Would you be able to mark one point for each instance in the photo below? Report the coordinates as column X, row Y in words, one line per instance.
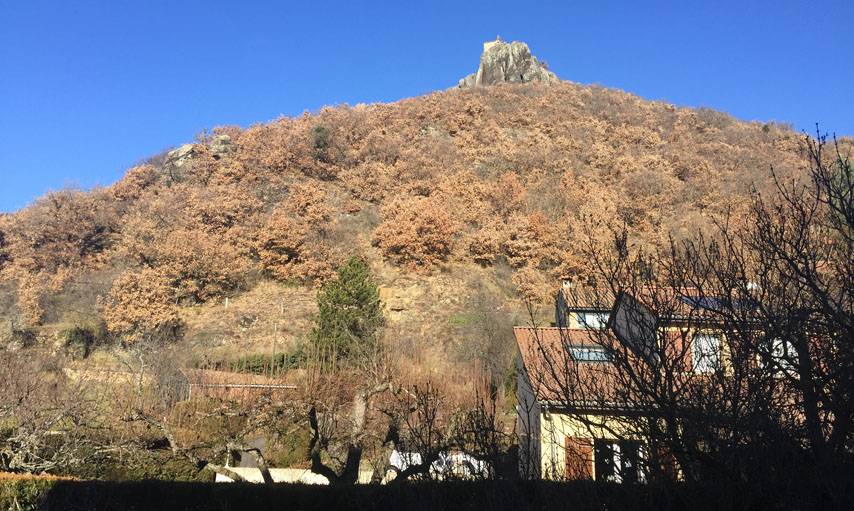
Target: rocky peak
column 507, row 62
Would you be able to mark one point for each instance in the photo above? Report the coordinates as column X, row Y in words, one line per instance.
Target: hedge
column 493, row 495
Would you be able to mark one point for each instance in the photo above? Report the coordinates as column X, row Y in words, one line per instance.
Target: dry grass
column 9, row 476
column 270, row 317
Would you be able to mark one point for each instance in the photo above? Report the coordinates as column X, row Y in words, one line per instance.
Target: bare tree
column 341, row 421
column 480, row 433
column 202, row 430
column 50, row 415
column 420, row 430
column 740, row 363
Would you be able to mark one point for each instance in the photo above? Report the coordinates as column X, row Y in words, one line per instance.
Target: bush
column 4, row 254
column 79, row 340
column 140, row 306
column 416, row 232
column 262, row 363
column 19, row 337
column 321, row 139
column 140, row 464
column 24, row 492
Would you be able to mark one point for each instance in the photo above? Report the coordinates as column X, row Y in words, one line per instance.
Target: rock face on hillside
column 507, row 62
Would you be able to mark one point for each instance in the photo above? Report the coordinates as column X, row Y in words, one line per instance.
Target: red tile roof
column 558, row 379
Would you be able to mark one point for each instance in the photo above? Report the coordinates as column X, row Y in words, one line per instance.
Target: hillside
column 462, row 201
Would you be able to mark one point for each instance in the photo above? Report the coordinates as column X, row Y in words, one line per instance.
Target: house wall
column 555, row 428
column 528, row 414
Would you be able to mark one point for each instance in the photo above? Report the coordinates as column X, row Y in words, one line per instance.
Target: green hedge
column 267, row 364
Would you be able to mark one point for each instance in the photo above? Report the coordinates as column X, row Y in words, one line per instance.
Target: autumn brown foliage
column 508, row 173
column 141, row 306
column 4, row 249
column 416, row 232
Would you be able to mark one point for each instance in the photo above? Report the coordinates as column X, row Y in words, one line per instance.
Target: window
column 589, row 353
column 618, row 461
column 592, row 320
column 706, row 350
column 783, row 356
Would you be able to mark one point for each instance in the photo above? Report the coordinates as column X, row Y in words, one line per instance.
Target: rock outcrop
column 181, row 156
column 181, row 160
column 507, row 62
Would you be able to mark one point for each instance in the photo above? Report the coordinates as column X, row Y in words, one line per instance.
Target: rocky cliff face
column 507, row 62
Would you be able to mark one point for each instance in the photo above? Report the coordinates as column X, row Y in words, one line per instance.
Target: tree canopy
column 349, row 314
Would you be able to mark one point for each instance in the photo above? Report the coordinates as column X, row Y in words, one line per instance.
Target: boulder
column 503, row 62
column 179, row 157
column 220, row 146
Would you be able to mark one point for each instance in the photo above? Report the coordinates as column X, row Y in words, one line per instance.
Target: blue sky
column 88, row 88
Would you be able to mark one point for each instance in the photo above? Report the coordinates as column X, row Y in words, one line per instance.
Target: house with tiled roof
column 553, row 443
column 573, row 404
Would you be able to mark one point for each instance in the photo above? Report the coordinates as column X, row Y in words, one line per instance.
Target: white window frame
column 706, row 359
column 783, row 356
column 595, row 354
column 592, row 320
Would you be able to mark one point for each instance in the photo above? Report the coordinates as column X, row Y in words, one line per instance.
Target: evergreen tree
column 349, row 315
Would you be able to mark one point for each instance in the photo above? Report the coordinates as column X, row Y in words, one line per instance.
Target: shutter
column 667, row 463
column 681, row 346
column 579, row 458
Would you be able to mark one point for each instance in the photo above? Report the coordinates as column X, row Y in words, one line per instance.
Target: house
column 554, row 443
column 575, row 414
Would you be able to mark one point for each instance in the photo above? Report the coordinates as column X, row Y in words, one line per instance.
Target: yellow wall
column 556, row 427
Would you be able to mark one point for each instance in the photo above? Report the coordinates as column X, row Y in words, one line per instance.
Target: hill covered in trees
column 463, row 202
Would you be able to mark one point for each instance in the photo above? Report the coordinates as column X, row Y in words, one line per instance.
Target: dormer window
column 706, row 350
column 591, row 320
column 589, row 354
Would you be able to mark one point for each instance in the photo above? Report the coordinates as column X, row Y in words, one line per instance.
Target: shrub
column 78, row 341
column 62, row 229
column 23, row 492
column 321, row 138
column 140, row 306
column 135, row 182
column 497, row 495
column 262, row 363
column 532, row 240
column 19, row 337
column 290, row 245
column 4, row 252
column 485, row 245
column 140, row 464
column 415, row 232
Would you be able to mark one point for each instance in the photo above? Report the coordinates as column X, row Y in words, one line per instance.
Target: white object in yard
column 448, row 465
column 287, row 475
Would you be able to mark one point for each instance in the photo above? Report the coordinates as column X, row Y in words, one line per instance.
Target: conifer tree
column 349, row 315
